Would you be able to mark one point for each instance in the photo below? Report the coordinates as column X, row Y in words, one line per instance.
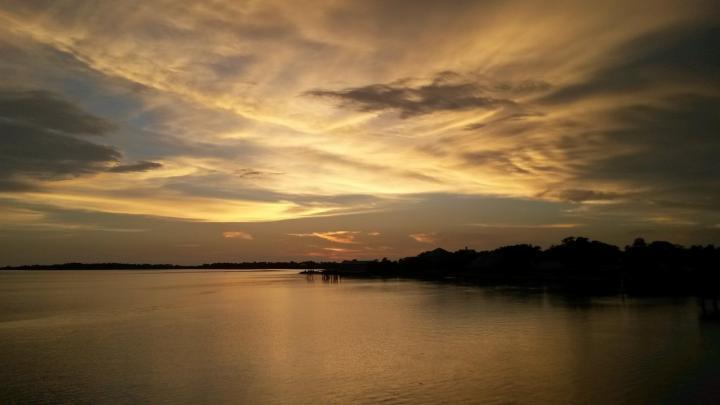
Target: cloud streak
column 424, row 237
column 446, row 91
column 344, row 237
column 141, row 166
column 43, row 109
column 237, row 235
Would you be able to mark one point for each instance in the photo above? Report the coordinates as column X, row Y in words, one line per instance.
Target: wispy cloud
column 446, row 91
column 341, row 250
column 346, row 237
column 237, row 235
column 426, row 237
column 141, row 166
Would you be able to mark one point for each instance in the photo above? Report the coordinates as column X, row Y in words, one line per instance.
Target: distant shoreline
column 577, row 263
column 136, row 266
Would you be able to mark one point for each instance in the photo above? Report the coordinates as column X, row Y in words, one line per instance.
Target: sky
column 204, row 131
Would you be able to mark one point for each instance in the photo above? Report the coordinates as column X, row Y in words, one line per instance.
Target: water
column 276, row 337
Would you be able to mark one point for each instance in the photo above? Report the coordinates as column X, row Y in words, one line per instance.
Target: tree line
column 576, row 263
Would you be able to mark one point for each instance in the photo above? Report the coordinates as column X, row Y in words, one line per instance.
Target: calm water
column 276, row 337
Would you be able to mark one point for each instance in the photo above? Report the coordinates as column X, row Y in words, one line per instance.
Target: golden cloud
column 347, row 237
column 428, row 237
column 237, row 235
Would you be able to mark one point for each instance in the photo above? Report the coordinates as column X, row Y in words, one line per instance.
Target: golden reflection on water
column 279, row 337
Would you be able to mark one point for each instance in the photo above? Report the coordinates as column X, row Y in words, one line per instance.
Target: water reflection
column 263, row 337
column 326, row 278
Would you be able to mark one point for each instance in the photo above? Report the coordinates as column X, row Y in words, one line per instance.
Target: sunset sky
column 190, row 132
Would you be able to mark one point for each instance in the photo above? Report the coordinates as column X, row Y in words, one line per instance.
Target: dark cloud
column 700, row 199
column 448, row 91
column 252, row 173
column 580, row 195
column 411, row 101
column 37, row 140
column 697, row 198
column 46, row 110
column 677, row 144
column 31, row 152
column 677, row 55
column 666, row 146
column 141, row 166
column 10, row 185
column 668, row 153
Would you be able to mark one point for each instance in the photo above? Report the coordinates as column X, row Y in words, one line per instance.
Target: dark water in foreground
column 274, row 337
